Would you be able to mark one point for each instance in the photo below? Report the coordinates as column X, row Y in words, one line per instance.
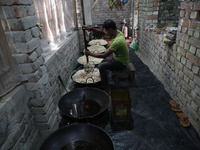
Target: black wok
column 84, row 102
column 78, row 137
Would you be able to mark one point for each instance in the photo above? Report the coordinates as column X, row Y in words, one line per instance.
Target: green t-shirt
column 120, row 48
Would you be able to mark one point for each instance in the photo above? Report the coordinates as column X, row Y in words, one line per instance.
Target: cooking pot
column 86, row 83
column 78, row 137
column 83, row 103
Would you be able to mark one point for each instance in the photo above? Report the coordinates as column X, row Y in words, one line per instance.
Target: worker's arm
column 97, row 30
column 98, row 55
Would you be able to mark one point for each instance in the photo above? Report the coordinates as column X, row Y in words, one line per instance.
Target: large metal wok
column 78, row 137
column 84, row 102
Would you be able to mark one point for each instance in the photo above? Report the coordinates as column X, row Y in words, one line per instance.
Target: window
column 56, row 20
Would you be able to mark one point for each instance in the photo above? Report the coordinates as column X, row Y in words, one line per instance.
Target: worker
column 118, row 49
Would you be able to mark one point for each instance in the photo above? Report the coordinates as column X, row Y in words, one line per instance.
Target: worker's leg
column 109, row 65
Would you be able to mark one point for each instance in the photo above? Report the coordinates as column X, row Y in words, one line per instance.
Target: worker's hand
column 86, row 52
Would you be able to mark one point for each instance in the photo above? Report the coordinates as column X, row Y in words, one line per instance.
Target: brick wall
column 169, row 11
column 30, row 113
column 102, row 12
column 17, row 125
column 160, row 11
column 176, row 66
column 149, row 12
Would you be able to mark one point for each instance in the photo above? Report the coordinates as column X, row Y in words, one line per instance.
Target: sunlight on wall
column 47, row 24
column 57, row 19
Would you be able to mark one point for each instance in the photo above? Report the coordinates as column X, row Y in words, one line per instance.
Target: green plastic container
column 134, row 45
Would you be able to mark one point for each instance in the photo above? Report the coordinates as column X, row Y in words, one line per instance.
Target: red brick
column 155, row 1
column 197, row 6
column 156, row 4
column 181, row 74
column 187, row 15
column 182, row 51
column 193, row 59
column 20, row 12
column 16, row 2
column 194, row 41
column 184, row 29
column 192, row 25
column 182, row 13
column 152, row 17
column 154, row 8
column 185, row 23
column 186, row 6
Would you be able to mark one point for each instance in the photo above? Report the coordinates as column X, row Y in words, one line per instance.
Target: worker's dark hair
column 109, row 24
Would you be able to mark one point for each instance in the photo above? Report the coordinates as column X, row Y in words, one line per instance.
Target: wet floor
column 152, row 125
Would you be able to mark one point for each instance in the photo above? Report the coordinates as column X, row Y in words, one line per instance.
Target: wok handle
column 89, row 78
column 61, row 81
